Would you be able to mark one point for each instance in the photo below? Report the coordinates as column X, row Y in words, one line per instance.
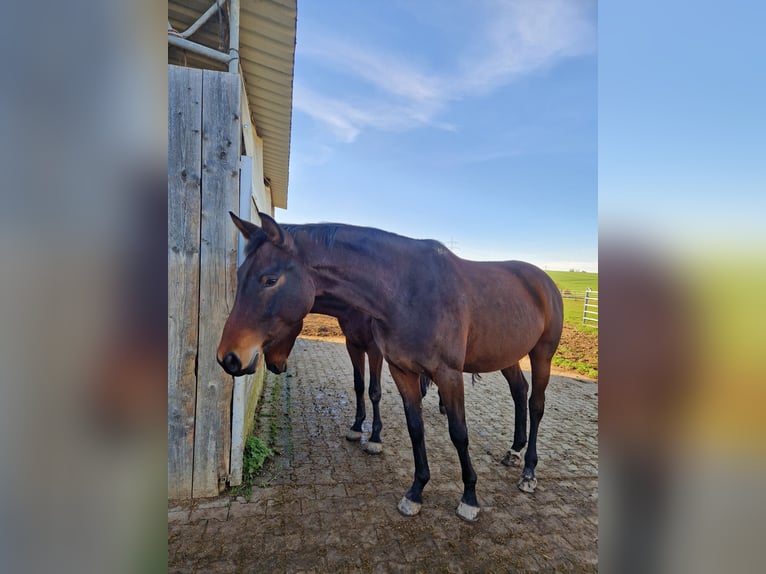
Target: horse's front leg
column 409, row 388
column 375, row 445
column 451, row 391
column 357, row 361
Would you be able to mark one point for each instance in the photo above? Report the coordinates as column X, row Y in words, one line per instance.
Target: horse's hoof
column 527, row 484
column 373, row 447
column 467, row 512
column 353, row 435
column 511, row 458
column 408, row 508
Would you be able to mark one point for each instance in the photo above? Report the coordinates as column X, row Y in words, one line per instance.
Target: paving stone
column 248, row 509
column 217, row 513
column 176, row 516
column 329, row 506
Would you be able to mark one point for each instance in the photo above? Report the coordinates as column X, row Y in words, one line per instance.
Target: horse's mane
column 326, row 234
column 323, row 233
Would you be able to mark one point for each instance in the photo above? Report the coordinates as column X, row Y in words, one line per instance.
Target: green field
column 575, row 281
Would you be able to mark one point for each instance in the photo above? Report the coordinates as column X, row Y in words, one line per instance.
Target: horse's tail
column 425, row 382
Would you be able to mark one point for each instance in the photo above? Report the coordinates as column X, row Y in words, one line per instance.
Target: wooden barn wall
column 204, row 134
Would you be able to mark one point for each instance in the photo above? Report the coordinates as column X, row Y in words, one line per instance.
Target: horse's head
column 274, row 294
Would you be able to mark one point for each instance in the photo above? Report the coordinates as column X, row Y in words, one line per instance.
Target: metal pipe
column 202, row 19
column 234, row 36
column 199, row 49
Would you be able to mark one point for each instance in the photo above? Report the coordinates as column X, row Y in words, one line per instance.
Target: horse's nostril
column 231, row 363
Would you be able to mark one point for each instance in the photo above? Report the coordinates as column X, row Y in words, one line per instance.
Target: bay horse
column 432, row 313
column 357, row 330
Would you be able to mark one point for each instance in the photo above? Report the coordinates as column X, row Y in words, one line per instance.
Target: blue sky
column 470, row 122
column 682, row 123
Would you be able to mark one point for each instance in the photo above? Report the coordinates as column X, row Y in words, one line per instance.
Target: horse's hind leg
column 452, row 392
column 357, row 360
column 541, row 372
column 375, row 445
column 519, row 389
column 409, row 389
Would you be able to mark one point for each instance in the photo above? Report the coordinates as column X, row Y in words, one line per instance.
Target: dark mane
column 323, row 233
column 326, row 233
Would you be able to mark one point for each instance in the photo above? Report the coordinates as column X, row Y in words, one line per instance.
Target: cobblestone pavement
column 323, row 505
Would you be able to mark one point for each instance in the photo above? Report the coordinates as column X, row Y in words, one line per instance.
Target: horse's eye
column 268, row 280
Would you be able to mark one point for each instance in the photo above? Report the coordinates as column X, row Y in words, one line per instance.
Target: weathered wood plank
column 184, row 176
column 218, row 266
column 241, row 384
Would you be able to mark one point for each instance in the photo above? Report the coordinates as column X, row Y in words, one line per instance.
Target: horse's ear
column 247, row 229
column 272, row 230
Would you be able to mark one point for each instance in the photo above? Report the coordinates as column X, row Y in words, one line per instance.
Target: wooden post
column 218, row 265
column 184, row 177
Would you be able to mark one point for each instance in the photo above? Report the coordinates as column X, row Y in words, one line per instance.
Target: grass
column 256, row 453
column 575, row 281
column 578, row 366
column 573, row 315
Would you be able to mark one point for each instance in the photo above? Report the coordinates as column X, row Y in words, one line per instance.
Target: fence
column 576, row 295
column 590, row 308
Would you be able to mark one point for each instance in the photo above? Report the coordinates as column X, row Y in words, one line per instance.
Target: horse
column 357, row 330
column 433, row 313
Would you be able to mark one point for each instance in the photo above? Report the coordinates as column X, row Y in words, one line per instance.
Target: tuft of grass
column 578, row 366
column 256, row 453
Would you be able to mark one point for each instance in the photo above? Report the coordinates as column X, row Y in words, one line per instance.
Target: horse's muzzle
column 232, row 364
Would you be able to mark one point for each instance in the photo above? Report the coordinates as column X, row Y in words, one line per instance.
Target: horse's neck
column 348, row 277
column 332, row 306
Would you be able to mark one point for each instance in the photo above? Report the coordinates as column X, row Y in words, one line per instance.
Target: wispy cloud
column 513, row 38
column 524, row 36
column 347, row 119
column 388, row 72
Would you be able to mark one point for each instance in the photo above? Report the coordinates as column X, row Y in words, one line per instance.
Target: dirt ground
column 575, row 345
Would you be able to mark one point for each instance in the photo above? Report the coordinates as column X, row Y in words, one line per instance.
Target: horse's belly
column 495, row 352
column 487, row 364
